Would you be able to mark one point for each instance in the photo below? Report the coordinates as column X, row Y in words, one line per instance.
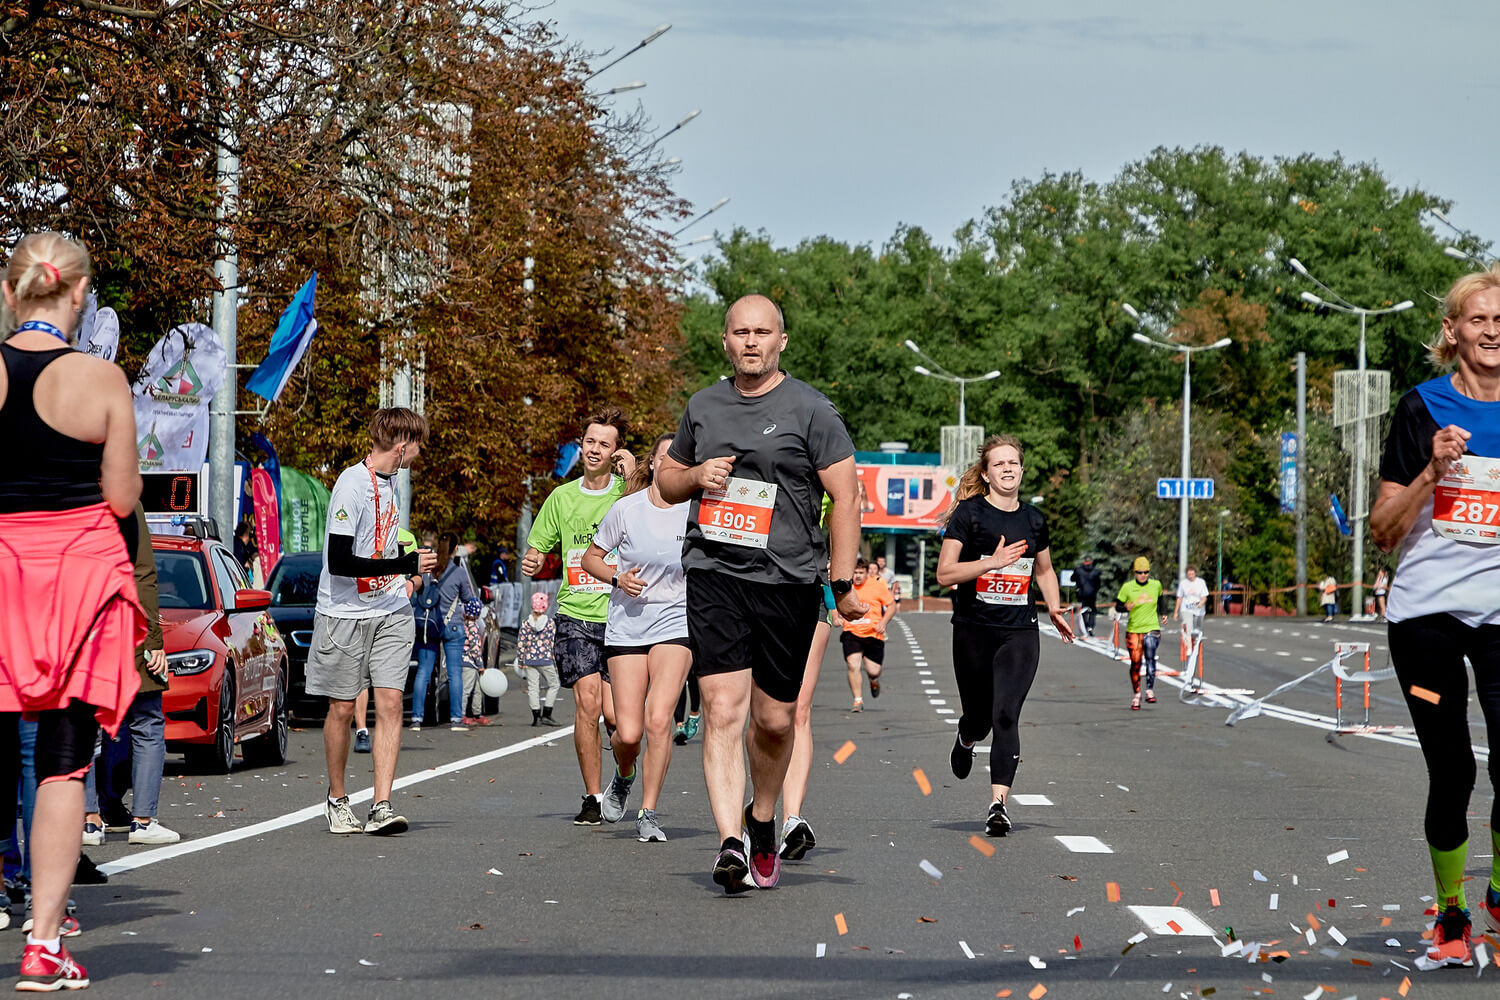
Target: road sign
column 1197, row 489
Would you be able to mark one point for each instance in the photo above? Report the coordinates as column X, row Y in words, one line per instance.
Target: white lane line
column 316, row 811
column 1156, row 917
column 1239, row 645
column 1085, row 845
column 944, row 711
column 1030, row 800
column 1309, row 659
column 951, row 721
column 937, row 701
column 1282, row 652
column 924, row 673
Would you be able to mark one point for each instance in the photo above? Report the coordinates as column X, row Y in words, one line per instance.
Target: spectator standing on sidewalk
column 1086, row 582
column 535, row 657
column 1330, row 591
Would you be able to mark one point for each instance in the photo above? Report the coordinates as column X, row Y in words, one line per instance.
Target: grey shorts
column 579, row 650
column 347, row 655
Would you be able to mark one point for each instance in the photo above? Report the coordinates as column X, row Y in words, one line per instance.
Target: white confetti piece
column 1334, row 933
column 1294, row 880
column 1335, row 858
column 367, row 963
column 1122, row 788
column 930, row 868
column 1392, row 943
column 206, row 950
column 1312, row 938
column 903, row 996
column 1265, row 977
column 968, row 952
column 822, row 950
column 1226, row 950
column 1036, row 963
column 1317, row 992
column 329, row 972
column 1275, row 898
column 1481, row 957
column 1403, row 968
column 1076, row 909
column 1257, row 876
column 1391, row 906
column 1167, row 988
column 130, row 933
column 496, row 871
column 1139, row 937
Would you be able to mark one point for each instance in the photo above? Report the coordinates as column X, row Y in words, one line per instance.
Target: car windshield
column 295, row 583
column 182, row 580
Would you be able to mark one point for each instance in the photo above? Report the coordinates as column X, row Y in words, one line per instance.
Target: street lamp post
column 939, row 372
column 1223, row 513
column 1333, row 300
column 1187, row 353
column 656, row 33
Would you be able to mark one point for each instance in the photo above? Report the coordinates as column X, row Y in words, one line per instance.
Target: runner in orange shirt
column 864, row 638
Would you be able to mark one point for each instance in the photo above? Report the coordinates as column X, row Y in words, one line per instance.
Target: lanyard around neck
column 44, row 327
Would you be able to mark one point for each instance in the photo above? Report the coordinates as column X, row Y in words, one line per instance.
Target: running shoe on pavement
column 647, row 829
column 874, row 687
column 1492, row 908
column 44, row 972
column 362, row 741
column 859, row 705
column 615, row 797
column 1135, row 703
column 680, row 737
column 796, row 839
column 764, row 852
column 152, row 832
column 93, row 834
column 341, row 818
column 960, row 758
column 693, row 723
column 457, row 726
column 1451, row 943
column 416, row 725
column 384, row 821
column 730, row 868
column 589, row 814
column 997, row 823
column 68, row 928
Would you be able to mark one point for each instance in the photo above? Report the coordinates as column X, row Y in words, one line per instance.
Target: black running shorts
column 579, row 650
column 766, row 628
column 868, row 646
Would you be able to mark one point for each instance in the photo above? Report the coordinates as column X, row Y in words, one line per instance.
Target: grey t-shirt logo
column 768, row 430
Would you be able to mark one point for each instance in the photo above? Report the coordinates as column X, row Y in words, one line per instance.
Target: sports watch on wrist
column 841, row 587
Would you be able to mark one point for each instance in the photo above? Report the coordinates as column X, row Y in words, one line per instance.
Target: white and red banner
column 172, row 392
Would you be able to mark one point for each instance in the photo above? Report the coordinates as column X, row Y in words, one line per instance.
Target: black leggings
column 682, row 700
column 1429, row 652
column 994, row 668
column 64, row 745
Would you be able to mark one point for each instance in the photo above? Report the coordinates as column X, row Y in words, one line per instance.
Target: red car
column 227, row 659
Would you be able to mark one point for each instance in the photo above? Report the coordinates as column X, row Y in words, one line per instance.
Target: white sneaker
column 152, row 832
column 93, row 835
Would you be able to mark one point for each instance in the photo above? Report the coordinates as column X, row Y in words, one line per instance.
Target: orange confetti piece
column 1077, row 943
column 841, row 924
column 844, row 752
column 1037, row 992
column 922, row 781
column 1175, row 926
column 1213, row 896
column 1360, row 961
column 1425, row 695
column 1112, row 891
column 1312, row 922
column 982, row 846
column 1405, row 986
column 1003, row 993
column 1385, row 921
column 1179, row 891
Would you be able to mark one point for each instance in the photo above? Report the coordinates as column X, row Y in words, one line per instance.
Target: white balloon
column 493, row 683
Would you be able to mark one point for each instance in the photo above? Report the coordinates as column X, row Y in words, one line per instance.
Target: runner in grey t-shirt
column 755, row 454
column 646, row 637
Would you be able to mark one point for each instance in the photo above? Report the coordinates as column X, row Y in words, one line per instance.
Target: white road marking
column 945, row 711
column 1030, row 800
column 1239, row 645
column 316, row 811
column 925, row 673
column 1156, row 917
column 937, row 701
column 1085, row 845
column 1282, row 652
column 1309, row 659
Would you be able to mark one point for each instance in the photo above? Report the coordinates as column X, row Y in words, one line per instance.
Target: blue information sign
column 1197, row 489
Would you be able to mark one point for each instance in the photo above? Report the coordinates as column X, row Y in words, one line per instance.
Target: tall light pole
column 1333, row 300
column 1187, row 353
column 937, row 371
column 221, row 426
column 1223, row 513
column 657, row 32
column 714, row 208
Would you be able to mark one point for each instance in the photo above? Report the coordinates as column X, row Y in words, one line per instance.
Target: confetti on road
column 844, row 752
column 922, row 782
column 496, row 871
column 207, row 949
column 1037, row 963
column 1275, row 899
column 1336, row 857
column 1425, row 695
column 968, row 952
column 1213, row 896
column 822, row 950
column 366, row 962
column 1392, row 943
column 1317, row 992
column 1334, row 933
column 1112, row 891
column 1077, row 943
column 982, row 846
column 1037, row 992
column 1257, row 876
column 841, row 924
column 930, row 868
column 1076, row 909
column 1405, row 986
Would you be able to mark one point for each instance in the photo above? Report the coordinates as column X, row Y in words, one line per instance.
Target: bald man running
column 755, row 454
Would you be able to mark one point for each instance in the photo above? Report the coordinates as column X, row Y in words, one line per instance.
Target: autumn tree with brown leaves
column 416, row 155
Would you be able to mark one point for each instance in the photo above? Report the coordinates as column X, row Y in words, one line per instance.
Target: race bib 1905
column 1006, row 585
column 738, row 514
column 1466, row 503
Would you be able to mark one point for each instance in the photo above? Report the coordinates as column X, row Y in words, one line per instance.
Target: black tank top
column 46, row 470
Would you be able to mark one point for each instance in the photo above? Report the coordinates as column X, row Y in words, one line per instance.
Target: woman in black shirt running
column 994, row 549
column 1439, row 500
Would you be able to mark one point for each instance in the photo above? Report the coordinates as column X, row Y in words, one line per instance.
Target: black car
column 294, row 597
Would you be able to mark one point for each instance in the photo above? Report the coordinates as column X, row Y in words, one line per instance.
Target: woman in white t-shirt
column 646, row 635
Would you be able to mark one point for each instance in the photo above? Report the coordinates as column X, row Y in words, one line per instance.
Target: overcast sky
column 846, row 118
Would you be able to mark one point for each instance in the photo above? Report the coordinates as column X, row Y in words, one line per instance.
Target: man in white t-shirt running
column 363, row 628
column 1192, row 601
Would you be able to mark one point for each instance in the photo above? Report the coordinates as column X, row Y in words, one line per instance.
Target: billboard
column 904, row 497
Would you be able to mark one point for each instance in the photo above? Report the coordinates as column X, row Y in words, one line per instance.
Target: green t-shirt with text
column 568, row 521
column 1143, row 617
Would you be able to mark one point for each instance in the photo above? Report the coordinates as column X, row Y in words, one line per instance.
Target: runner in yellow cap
column 1141, row 596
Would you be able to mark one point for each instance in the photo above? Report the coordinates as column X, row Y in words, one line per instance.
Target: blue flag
column 293, row 333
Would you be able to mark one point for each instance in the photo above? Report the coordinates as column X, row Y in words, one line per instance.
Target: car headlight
column 192, row 661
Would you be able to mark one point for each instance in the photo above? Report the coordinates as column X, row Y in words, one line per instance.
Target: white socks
column 53, row 947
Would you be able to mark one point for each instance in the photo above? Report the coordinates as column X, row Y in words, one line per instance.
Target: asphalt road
column 495, row 893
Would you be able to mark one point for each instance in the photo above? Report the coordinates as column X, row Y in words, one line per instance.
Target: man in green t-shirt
column 1141, row 596
column 567, row 521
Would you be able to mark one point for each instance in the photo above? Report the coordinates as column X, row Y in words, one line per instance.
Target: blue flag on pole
column 293, row 333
